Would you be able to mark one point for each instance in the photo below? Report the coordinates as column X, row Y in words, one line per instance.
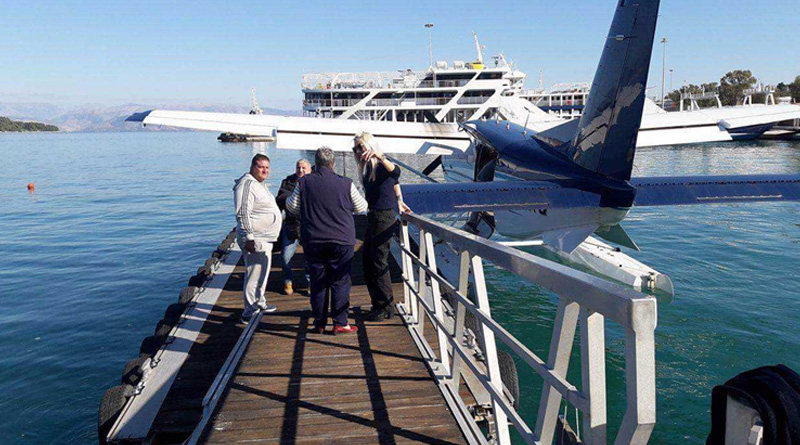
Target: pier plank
column 295, row 386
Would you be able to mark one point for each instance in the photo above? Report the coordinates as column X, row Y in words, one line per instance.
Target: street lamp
column 430, row 44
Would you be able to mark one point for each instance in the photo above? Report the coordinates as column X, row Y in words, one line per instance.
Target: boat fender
column 197, row 281
column 212, row 262
column 187, row 294
column 163, row 328
column 133, row 372
column 173, row 312
column 475, row 331
column 111, row 405
column 151, row 345
column 772, row 391
column 205, row 271
column 225, row 245
column 218, row 254
column 509, row 377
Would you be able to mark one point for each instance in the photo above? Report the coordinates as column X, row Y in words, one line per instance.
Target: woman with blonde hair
column 379, row 176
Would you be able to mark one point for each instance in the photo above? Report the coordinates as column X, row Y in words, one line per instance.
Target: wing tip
column 138, row 117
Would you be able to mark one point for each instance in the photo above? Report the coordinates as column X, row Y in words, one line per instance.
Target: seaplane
column 557, row 187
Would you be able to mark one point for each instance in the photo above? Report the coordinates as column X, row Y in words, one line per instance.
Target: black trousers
column 381, row 227
column 329, row 268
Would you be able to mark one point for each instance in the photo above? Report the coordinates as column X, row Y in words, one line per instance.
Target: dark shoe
column 389, row 313
column 318, row 330
column 349, row 329
column 376, row 315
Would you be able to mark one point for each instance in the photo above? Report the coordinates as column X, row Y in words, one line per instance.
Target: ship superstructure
column 565, row 100
column 444, row 92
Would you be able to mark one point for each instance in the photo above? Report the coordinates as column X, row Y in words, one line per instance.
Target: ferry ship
column 442, row 93
column 565, row 100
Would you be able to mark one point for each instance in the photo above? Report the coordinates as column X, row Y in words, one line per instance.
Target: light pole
column 663, row 70
column 430, row 44
column 430, row 52
column 670, row 79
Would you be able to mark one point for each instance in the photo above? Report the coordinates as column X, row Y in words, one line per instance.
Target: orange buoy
column 31, row 187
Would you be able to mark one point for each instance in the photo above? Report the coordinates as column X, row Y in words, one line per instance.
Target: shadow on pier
column 295, row 386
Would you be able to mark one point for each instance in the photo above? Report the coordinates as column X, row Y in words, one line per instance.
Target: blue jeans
column 288, row 249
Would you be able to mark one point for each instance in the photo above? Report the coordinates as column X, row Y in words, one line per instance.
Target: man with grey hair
column 325, row 203
column 290, row 232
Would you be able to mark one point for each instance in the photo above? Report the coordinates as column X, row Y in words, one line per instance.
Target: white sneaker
column 246, row 318
column 267, row 307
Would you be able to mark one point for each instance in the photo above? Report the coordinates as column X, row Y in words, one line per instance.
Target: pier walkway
column 295, row 386
column 443, row 371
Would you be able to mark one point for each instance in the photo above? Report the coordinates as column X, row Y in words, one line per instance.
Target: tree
column 732, row 86
column 7, row 124
column 794, row 89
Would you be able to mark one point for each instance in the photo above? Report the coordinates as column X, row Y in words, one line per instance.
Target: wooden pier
column 205, row 377
column 295, row 386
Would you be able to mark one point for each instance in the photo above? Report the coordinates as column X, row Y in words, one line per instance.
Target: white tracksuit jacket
column 258, row 217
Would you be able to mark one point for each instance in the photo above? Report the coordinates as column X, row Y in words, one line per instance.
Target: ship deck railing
column 583, row 300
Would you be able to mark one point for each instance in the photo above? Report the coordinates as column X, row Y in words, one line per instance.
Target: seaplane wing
column 711, row 124
column 495, row 195
column 544, row 195
column 682, row 190
column 304, row 133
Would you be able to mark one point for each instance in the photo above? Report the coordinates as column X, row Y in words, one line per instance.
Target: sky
column 203, row 52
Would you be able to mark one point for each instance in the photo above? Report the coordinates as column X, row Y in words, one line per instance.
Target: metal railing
column 331, row 102
column 473, row 100
column 444, row 83
column 583, row 300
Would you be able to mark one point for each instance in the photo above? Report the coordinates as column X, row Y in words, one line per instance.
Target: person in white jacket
column 258, row 224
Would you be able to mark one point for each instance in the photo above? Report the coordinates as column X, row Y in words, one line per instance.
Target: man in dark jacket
column 290, row 233
column 325, row 203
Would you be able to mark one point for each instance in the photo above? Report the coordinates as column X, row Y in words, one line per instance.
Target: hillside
column 7, row 124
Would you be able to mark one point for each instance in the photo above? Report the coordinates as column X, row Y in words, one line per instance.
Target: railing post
column 558, row 360
column 640, row 376
column 436, row 296
column 482, row 300
column 404, row 261
column 422, row 288
column 463, row 288
column 593, row 375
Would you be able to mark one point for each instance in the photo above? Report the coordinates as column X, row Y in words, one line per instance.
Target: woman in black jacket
column 379, row 176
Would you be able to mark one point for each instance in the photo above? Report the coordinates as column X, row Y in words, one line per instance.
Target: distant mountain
column 103, row 118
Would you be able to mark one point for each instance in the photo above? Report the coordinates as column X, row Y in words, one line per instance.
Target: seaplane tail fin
column 605, row 140
column 308, row 133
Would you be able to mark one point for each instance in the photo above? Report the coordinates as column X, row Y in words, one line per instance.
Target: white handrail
column 584, row 301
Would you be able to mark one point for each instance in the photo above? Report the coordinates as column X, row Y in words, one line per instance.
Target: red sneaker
column 349, row 329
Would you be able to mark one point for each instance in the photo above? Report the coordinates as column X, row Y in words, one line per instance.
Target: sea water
column 119, row 221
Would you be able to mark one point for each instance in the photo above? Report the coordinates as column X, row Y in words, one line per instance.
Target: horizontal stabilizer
column 682, row 190
column 617, row 235
column 308, row 133
column 496, row 195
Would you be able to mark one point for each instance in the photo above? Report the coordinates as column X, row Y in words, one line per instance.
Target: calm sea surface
column 118, row 222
